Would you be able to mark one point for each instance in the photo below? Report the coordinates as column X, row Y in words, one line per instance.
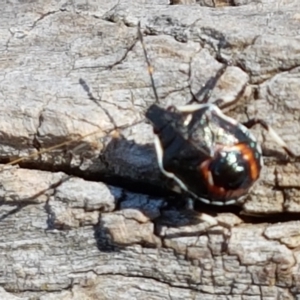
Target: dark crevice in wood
column 173, row 200
column 129, row 184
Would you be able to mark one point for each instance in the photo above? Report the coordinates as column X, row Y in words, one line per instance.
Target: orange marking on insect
column 219, row 191
column 248, row 155
column 215, row 190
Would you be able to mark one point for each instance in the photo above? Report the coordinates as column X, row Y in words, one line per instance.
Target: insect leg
column 252, row 122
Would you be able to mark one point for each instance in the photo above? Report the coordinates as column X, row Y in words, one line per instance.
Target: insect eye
column 229, row 170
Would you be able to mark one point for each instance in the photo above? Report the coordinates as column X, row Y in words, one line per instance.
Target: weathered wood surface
column 111, row 234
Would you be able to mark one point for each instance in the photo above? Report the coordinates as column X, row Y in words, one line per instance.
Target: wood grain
column 93, row 220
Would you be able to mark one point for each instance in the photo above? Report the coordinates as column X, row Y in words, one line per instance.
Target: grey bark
column 90, row 220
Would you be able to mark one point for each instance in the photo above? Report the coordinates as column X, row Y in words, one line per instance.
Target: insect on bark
column 208, row 155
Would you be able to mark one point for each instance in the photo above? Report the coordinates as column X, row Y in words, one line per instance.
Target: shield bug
column 207, row 154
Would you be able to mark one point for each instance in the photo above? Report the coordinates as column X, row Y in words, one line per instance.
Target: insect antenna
column 150, row 68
